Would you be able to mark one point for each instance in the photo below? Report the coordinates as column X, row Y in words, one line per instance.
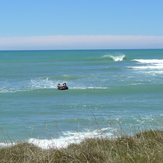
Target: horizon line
column 79, row 49
column 82, row 42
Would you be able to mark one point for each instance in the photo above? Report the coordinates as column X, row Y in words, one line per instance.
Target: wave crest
column 115, row 57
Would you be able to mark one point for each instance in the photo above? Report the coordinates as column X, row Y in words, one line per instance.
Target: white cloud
column 80, row 42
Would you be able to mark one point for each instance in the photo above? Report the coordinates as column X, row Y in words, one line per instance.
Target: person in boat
column 64, row 87
column 58, row 86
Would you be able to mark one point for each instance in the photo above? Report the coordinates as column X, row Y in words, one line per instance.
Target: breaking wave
column 65, row 140
column 149, row 61
column 115, row 57
column 149, row 64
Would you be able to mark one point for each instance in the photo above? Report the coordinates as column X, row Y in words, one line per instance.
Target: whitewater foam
column 40, row 83
column 151, row 61
column 4, row 145
column 89, row 88
column 148, row 67
column 149, row 64
column 11, row 89
column 68, row 138
column 65, row 140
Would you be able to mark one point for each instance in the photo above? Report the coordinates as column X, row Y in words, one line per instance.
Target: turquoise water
column 108, row 89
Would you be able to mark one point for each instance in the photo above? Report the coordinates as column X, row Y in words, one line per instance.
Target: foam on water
column 28, row 85
column 89, row 87
column 11, row 89
column 42, row 83
column 65, row 140
column 3, row 145
column 151, row 61
column 149, row 67
column 74, row 137
column 149, row 64
column 155, row 72
column 45, row 83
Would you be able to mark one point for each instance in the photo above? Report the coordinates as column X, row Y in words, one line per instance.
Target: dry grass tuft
column 143, row 147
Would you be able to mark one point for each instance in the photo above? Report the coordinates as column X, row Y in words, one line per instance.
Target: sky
column 81, row 24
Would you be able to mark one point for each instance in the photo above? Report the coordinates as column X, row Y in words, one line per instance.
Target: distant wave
column 108, row 57
column 115, row 57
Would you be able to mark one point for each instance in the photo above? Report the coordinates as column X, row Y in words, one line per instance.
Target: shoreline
column 145, row 146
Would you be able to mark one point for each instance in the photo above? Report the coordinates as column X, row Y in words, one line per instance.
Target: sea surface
column 110, row 92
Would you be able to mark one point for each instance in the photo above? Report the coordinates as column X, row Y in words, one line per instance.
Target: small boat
column 63, row 88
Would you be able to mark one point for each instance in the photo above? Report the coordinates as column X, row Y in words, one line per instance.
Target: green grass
column 144, row 147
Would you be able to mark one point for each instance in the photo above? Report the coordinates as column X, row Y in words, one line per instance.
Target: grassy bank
column 145, row 147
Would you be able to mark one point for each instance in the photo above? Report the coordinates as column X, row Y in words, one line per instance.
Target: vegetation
column 144, row 147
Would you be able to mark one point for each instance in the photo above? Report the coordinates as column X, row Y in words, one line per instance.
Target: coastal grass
column 143, row 147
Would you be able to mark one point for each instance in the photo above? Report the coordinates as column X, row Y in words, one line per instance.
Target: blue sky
column 108, row 24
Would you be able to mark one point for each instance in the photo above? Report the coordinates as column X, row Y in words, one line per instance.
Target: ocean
column 110, row 91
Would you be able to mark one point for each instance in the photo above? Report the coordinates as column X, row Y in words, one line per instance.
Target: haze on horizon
column 57, row 25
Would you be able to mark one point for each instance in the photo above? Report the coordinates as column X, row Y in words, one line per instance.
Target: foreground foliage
column 145, row 147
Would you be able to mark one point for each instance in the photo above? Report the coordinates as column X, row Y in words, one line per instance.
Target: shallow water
column 108, row 89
